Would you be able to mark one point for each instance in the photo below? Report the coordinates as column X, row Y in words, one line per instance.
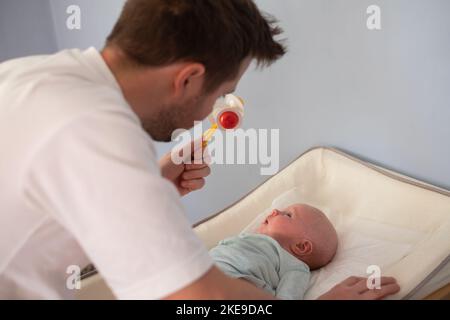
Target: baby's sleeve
column 293, row 284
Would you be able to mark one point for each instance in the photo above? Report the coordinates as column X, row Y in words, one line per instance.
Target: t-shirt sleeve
column 293, row 285
column 294, row 278
column 99, row 178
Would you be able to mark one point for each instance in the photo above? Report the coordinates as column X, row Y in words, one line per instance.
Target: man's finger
column 200, row 157
column 385, row 290
column 388, row 280
column 196, row 174
column 350, row 281
column 191, row 151
column 193, row 184
column 189, row 167
column 361, row 286
column 383, row 281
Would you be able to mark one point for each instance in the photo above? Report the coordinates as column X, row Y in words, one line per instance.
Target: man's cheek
column 207, row 109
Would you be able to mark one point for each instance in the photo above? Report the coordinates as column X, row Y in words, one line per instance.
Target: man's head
column 174, row 58
column 304, row 231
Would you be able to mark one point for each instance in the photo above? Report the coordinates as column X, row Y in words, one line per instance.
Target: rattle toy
column 227, row 114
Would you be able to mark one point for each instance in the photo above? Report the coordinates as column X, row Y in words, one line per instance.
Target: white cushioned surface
column 362, row 243
column 383, row 219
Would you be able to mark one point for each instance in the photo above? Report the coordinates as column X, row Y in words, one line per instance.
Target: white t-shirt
column 80, row 183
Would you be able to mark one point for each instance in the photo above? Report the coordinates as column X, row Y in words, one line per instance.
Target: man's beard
column 171, row 118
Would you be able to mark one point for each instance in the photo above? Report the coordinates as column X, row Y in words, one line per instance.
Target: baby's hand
column 355, row 288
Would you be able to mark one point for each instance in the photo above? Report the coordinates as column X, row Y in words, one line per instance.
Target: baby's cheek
column 288, row 229
column 278, row 228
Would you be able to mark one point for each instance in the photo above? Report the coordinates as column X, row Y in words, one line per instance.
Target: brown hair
column 220, row 34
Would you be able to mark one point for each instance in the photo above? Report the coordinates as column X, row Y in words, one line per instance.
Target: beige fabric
column 348, row 189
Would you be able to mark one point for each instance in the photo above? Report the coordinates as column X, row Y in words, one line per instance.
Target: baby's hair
column 324, row 238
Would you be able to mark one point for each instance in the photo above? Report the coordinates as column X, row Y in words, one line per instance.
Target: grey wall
column 381, row 95
column 26, row 28
column 97, row 18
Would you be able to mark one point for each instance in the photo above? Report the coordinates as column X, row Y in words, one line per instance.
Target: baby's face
column 304, row 231
column 288, row 223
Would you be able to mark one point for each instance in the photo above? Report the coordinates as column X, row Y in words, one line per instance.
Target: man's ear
column 302, row 248
column 189, row 79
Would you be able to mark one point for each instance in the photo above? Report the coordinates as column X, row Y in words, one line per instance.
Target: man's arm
column 215, row 285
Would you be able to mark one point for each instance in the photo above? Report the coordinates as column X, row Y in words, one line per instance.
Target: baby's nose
column 274, row 213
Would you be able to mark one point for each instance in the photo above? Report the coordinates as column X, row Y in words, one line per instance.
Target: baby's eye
column 288, row 214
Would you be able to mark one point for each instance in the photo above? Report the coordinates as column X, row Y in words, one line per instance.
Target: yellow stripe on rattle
column 209, row 134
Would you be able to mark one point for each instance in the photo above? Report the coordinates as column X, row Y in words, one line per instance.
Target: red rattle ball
column 229, row 120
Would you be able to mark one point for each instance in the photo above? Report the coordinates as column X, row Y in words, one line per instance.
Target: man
column 80, row 181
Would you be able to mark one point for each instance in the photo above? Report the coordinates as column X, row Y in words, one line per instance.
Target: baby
column 279, row 257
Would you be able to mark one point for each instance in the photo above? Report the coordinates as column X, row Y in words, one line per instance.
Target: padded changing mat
column 382, row 218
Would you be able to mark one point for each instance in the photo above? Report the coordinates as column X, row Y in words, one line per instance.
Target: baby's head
column 303, row 231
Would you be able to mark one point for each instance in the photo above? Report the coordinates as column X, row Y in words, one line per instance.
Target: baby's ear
column 302, row 248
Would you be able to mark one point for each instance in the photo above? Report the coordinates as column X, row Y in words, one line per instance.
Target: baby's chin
column 263, row 230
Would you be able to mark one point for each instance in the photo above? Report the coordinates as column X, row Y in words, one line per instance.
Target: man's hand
column 355, row 288
column 215, row 285
column 185, row 177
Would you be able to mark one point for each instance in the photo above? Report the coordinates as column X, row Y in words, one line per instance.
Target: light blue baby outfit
column 261, row 260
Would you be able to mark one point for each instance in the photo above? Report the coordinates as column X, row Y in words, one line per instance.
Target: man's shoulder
column 48, row 93
column 66, row 78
